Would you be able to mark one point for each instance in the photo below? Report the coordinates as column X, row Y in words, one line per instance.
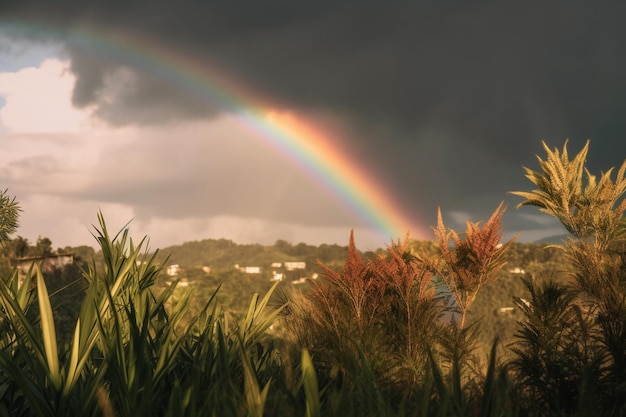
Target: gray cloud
column 445, row 100
column 29, row 173
column 123, row 96
column 201, row 173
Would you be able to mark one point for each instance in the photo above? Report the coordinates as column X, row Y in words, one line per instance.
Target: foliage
column 554, row 356
column 368, row 338
column 375, row 332
column 378, row 309
column 129, row 354
column 592, row 358
column 587, row 207
column 9, row 215
column 473, row 262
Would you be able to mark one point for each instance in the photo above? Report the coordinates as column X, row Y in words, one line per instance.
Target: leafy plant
column 366, row 339
column 9, row 215
column 381, row 309
column 555, row 357
column 131, row 354
column 592, row 211
column 473, row 261
column 373, row 326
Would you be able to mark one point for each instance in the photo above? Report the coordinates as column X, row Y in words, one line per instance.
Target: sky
column 300, row 121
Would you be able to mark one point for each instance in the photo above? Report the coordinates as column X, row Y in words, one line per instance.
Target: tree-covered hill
column 209, row 264
column 212, row 262
column 222, row 255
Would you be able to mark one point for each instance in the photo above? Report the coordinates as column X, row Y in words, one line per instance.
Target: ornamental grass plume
column 473, row 261
column 410, row 305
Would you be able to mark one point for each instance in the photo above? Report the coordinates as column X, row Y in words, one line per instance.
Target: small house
column 291, row 266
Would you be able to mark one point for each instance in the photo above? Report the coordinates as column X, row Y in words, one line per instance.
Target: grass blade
column 48, row 331
column 311, row 391
column 255, row 397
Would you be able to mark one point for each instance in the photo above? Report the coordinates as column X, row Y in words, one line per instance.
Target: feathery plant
column 338, row 313
column 375, row 334
column 9, row 216
column 411, row 307
column 586, row 206
column 382, row 307
column 592, row 210
column 473, row 261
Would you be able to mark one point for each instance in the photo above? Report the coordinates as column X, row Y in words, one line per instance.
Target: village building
column 291, row 266
column 251, row 269
column 46, row 263
column 172, row 270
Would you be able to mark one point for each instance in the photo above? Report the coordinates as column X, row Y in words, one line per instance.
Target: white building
column 172, row 270
column 290, row 266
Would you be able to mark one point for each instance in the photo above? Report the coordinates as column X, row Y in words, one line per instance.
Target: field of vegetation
column 467, row 325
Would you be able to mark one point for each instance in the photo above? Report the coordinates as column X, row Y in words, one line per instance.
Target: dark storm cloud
column 452, row 96
column 123, row 96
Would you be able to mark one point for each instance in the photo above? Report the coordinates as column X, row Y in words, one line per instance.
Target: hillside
column 208, row 264
column 222, row 255
column 241, row 270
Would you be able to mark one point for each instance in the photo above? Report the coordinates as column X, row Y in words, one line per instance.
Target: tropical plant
column 556, row 359
column 592, row 211
column 488, row 394
column 366, row 339
column 9, row 216
column 338, row 314
column 130, row 353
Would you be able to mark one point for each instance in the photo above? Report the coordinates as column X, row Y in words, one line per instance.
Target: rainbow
column 303, row 143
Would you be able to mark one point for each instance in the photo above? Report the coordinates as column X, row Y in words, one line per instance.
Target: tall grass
column 133, row 351
column 136, row 350
column 376, row 333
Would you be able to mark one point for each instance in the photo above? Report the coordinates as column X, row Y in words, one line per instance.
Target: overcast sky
column 439, row 104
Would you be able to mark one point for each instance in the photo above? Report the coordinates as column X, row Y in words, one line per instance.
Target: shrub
column 591, row 357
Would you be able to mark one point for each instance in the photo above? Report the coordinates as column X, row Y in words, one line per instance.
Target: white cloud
column 539, row 219
column 28, row 94
column 67, row 222
column 166, row 231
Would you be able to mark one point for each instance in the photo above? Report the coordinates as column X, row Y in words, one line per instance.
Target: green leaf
column 255, row 397
column 48, row 331
column 309, row 381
